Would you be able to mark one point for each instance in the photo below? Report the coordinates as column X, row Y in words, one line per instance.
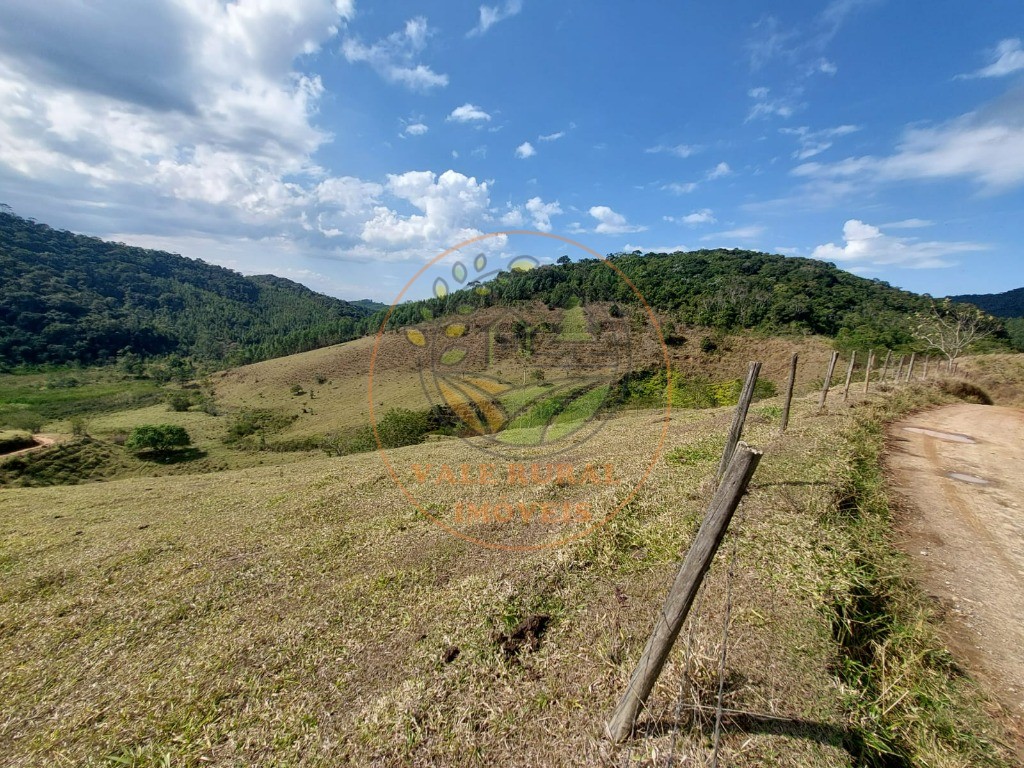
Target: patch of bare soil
column 959, row 473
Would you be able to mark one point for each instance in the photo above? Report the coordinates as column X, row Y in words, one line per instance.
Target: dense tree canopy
column 1007, row 304
column 70, row 298
column 728, row 289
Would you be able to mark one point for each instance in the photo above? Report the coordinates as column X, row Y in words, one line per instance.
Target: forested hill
column 70, row 298
column 1007, row 304
column 727, row 289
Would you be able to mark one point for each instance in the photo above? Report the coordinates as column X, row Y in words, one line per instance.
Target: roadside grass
column 909, row 701
column 1000, row 375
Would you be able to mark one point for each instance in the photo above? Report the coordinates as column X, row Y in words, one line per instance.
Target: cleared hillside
column 334, row 380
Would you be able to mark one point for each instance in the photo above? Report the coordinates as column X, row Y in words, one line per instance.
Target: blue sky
column 344, row 144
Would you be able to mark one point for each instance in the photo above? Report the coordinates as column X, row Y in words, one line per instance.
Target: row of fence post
column 737, row 466
column 899, row 374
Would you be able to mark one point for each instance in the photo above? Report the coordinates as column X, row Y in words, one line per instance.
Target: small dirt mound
column 527, row 634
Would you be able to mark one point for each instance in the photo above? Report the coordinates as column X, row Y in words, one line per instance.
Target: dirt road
column 959, row 473
column 42, row 441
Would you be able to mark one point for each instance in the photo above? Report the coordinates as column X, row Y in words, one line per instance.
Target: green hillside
column 70, row 298
column 74, row 299
column 724, row 289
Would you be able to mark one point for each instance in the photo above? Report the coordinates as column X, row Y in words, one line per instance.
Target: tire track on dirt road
column 958, row 473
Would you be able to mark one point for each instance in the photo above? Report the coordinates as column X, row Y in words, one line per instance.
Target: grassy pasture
column 308, row 615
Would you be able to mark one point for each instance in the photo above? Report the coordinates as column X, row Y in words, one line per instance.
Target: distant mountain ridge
column 69, row 298
column 1006, row 304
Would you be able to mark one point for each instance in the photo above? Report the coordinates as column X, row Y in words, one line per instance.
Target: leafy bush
column 641, row 389
column 400, row 426
column 23, row 419
column 179, row 400
column 256, row 420
column 157, row 438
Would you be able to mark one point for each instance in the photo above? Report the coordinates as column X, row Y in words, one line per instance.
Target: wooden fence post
column 910, row 366
column 899, row 371
column 789, row 392
column 828, row 380
column 739, row 418
column 885, row 368
column 927, row 359
column 867, row 370
column 849, row 375
column 680, row 597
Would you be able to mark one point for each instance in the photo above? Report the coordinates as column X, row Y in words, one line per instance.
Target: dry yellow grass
column 1000, row 375
column 334, row 379
column 309, row 615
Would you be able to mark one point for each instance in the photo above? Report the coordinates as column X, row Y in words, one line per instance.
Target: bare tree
column 951, row 328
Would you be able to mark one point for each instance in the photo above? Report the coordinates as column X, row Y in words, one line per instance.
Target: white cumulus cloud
column 448, row 207
column 703, row 216
column 542, row 212
column 866, row 245
column 611, row 223
column 525, row 150
column 719, row 171
column 468, row 113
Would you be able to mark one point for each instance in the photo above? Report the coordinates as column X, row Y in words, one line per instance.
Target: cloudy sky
column 343, row 144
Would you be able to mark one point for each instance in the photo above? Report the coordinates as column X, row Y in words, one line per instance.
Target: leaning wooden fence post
column 910, row 366
column 828, row 380
column 899, row 371
column 739, row 418
column 789, row 392
column 849, row 375
column 927, row 359
column 867, row 371
column 885, row 368
column 684, row 590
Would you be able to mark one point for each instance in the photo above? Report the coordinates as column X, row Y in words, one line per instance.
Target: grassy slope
column 1001, row 375
column 337, row 376
column 303, row 615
